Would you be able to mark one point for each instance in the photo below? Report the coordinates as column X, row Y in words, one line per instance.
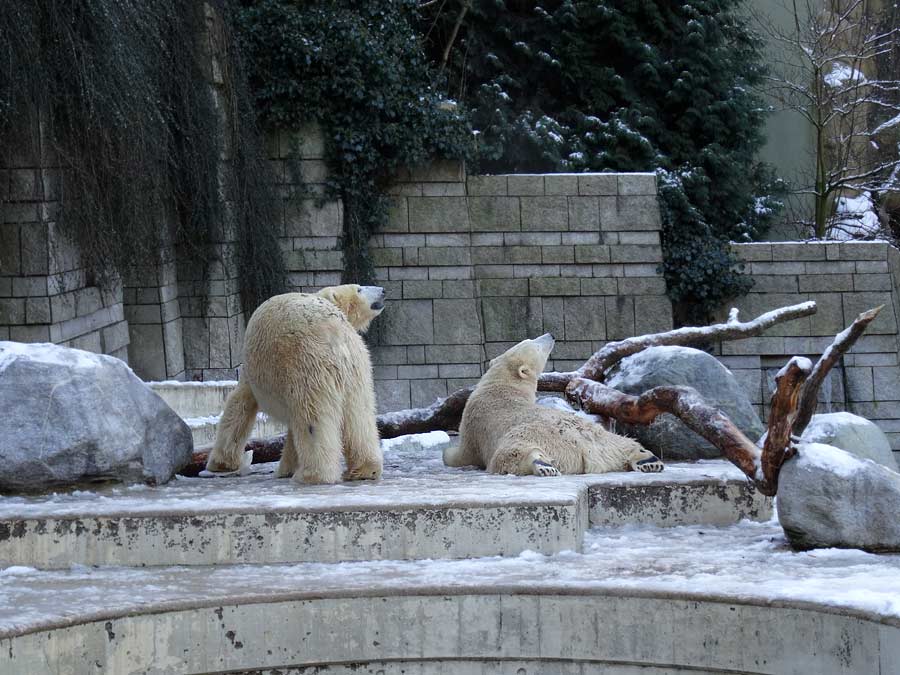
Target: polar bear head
column 522, row 363
column 360, row 304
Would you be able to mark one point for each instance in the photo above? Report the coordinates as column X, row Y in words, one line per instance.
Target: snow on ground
column 413, row 476
column 748, row 561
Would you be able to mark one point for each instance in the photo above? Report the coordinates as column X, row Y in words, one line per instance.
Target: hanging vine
column 117, row 95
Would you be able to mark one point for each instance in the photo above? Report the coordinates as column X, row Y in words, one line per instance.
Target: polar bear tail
column 234, row 427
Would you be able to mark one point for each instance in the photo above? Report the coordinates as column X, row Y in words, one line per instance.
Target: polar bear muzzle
column 374, row 296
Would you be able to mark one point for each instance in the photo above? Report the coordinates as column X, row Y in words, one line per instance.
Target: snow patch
column 842, row 74
column 51, row 354
column 829, row 458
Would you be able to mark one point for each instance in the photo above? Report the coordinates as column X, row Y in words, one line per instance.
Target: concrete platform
column 419, row 510
column 639, row 600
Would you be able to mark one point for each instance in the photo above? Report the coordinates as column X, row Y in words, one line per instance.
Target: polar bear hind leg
column 287, row 465
column 645, row 461
column 234, row 427
column 521, row 460
column 361, row 445
column 318, row 447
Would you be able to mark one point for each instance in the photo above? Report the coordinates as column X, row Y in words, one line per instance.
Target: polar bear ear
column 524, row 371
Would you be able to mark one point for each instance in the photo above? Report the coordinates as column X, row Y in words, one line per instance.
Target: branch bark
column 842, row 343
column 613, row 352
column 683, row 402
column 777, row 447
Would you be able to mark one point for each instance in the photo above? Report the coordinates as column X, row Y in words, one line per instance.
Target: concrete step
column 194, row 399
column 700, row 601
column 203, row 429
column 419, row 510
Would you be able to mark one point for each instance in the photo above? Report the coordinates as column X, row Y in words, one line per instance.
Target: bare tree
column 829, row 66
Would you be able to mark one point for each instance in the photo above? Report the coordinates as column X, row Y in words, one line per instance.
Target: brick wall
column 45, row 293
column 475, row 264
column 844, row 279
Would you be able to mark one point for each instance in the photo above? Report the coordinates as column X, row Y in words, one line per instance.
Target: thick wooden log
column 778, row 447
column 267, row 450
column 442, row 415
column 613, row 352
column 683, row 402
column 809, row 396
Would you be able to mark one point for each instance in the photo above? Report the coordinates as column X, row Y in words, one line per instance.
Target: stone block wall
column 844, row 279
column 45, row 293
column 475, row 264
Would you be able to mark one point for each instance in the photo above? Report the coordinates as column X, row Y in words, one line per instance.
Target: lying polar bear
column 505, row 431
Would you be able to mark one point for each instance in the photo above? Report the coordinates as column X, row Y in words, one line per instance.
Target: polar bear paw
column 364, row 472
column 652, row 464
column 542, row 468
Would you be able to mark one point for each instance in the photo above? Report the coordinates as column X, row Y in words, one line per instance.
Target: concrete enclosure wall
column 471, row 264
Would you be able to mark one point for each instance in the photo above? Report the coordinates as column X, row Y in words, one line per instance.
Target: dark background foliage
column 625, row 85
column 359, row 70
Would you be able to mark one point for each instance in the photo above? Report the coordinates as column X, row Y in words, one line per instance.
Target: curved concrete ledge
column 420, row 510
column 440, row 630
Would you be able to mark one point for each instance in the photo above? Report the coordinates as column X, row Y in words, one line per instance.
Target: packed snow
column 856, row 218
column 748, row 561
column 414, row 475
column 51, row 354
column 829, row 458
column 842, row 74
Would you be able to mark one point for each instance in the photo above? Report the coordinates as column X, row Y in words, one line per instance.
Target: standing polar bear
column 505, row 431
column 306, row 365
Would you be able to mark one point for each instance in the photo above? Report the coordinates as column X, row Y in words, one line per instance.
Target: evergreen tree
column 626, row 85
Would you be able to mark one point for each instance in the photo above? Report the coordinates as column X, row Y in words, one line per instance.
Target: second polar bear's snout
column 374, row 295
column 545, row 342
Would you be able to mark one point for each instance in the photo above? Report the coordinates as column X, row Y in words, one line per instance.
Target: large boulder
column 829, row 498
column 70, row 416
column 853, row 434
column 667, row 436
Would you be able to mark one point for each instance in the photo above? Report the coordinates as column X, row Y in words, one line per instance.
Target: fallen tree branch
column 777, row 447
column 442, row 415
column 613, row 352
column 809, row 396
column 683, row 402
column 266, row 450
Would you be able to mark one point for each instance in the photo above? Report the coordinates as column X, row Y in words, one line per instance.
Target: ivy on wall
column 358, row 69
column 625, row 85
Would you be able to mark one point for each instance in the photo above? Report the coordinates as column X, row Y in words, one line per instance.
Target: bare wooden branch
column 683, row 402
column 267, row 450
column 467, row 4
column 777, row 447
column 842, row 343
column 444, row 414
column 613, row 352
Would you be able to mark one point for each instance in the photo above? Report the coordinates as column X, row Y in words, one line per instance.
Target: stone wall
column 45, row 293
column 475, row 264
column 844, row 279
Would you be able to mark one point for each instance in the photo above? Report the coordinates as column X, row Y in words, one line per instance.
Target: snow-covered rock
column 829, row 498
column 668, row 437
column 432, row 441
column 853, row 434
column 70, row 415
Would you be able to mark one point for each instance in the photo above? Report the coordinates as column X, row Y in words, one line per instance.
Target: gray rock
column 853, row 434
column 71, row 416
column 829, row 498
column 668, row 437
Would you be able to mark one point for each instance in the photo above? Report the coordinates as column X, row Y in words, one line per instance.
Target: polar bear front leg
column 287, row 465
column 318, row 450
column 645, row 461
